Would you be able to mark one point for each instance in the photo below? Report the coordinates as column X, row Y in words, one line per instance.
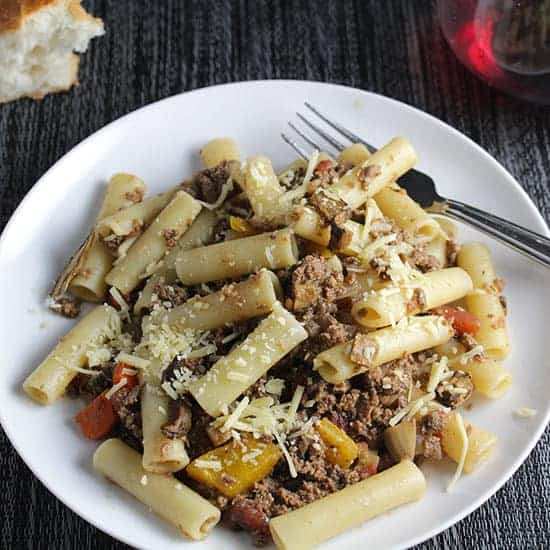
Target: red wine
column 505, row 42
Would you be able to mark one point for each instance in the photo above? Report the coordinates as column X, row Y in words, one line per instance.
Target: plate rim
column 537, row 221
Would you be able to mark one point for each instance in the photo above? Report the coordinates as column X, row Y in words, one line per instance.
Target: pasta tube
column 235, row 302
column 199, row 234
column 123, row 191
column 410, row 335
column 218, row 150
column 386, row 306
column 231, row 259
column 381, row 168
column 355, row 154
column 161, row 454
column 406, row 213
column 190, row 513
column 159, row 237
column 481, row 444
column 134, row 218
column 325, row 518
column 270, row 341
column 50, row 379
column 307, row 224
column 262, row 187
column 485, row 303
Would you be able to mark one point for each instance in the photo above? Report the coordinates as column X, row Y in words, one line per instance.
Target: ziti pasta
column 277, row 348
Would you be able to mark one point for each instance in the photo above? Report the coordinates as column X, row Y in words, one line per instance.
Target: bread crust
column 14, row 12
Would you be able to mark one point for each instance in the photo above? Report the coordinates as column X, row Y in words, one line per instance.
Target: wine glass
column 505, row 42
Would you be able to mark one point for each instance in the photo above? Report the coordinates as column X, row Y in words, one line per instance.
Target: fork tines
column 324, row 135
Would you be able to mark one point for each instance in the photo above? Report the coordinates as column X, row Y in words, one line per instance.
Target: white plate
column 160, row 143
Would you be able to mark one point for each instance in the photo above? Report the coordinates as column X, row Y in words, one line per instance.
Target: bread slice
column 38, row 39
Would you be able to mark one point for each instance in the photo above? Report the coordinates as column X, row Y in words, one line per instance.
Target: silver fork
column 421, row 188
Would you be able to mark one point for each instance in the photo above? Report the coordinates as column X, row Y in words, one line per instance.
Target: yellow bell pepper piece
column 236, row 466
column 314, row 248
column 342, row 450
column 240, row 225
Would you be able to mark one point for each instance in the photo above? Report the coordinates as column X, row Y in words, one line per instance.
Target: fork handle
column 530, row 244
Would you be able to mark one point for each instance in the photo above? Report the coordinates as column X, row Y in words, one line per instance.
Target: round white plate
column 160, row 143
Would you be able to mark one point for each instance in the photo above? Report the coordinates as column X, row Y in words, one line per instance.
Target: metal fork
column 421, row 188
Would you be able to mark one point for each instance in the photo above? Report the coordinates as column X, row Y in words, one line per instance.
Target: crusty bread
column 38, row 39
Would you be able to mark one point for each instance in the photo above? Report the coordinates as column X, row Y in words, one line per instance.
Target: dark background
column 154, row 49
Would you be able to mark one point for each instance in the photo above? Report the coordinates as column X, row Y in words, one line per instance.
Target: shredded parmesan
column 525, row 412
column 227, row 187
column 208, row 464
column 439, row 373
column 275, row 386
column 464, row 451
column 132, row 360
column 116, row 387
column 235, row 415
column 469, row 355
column 119, row 299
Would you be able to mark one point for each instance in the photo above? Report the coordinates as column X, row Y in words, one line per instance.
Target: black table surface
column 154, row 49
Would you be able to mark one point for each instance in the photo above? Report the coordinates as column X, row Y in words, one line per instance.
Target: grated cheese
column 132, row 360
column 275, row 386
column 119, row 299
column 525, row 412
column 235, row 415
column 116, row 387
column 469, row 355
column 143, row 480
column 208, row 464
column 438, row 373
column 227, row 187
column 464, row 451
column 409, row 410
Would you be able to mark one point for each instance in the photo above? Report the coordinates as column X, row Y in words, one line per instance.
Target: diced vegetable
column 118, row 375
column 462, row 320
column 324, row 166
column 342, row 450
column 236, row 466
column 400, row 440
column 97, row 419
column 367, row 458
column 242, row 226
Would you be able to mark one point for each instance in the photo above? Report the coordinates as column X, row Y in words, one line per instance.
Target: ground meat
column 324, row 331
column 207, row 184
column 330, row 209
column 66, row 305
column 423, row 261
column 468, row 341
column 126, row 403
column 381, row 268
column 172, row 293
column 431, row 426
column 384, row 391
column 456, row 390
column 113, row 242
column 221, row 230
column 367, row 174
column 170, row 237
column 312, row 280
column 92, row 386
column 179, row 419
